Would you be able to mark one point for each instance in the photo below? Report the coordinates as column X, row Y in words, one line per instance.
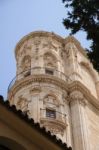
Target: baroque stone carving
column 70, row 47
column 26, row 63
column 61, row 52
column 50, row 45
column 27, row 47
column 54, row 129
column 49, row 99
column 77, row 96
column 35, row 90
column 24, row 50
column 22, row 104
column 37, row 41
column 64, row 95
column 50, row 60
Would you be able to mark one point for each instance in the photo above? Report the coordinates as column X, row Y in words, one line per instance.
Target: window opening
column 50, row 113
column 48, row 71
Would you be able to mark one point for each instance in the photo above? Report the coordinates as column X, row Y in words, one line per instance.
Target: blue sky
column 20, row 17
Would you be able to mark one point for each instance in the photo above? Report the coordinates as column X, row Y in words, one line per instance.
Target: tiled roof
column 34, row 125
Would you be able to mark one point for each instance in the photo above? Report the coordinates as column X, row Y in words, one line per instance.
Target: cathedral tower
column 56, row 85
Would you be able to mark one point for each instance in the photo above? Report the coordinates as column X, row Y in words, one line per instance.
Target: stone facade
column 57, row 86
column 18, row 132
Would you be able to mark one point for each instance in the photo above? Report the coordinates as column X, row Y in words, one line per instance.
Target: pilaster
column 79, row 121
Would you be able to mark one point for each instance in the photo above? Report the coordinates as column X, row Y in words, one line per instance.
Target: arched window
column 26, row 65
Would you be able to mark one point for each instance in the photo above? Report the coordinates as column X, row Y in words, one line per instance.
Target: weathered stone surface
column 54, row 75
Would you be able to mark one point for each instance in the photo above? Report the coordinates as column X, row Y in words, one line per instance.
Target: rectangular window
column 48, row 71
column 50, row 113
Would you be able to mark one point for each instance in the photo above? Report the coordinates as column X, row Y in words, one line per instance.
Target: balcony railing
column 58, row 117
column 37, row 71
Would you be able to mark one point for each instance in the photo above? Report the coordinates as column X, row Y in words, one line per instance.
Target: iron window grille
column 51, row 113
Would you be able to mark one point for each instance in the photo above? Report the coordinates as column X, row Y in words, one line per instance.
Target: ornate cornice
column 39, row 34
column 58, row 38
column 69, row 87
column 78, row 86
column 37, row 78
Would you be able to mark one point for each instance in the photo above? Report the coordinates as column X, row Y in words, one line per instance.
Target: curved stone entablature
column 63, row 41
column 68, row 88
column 36, row 78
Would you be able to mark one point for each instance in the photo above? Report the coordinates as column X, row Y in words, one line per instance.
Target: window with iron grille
column 50, row 113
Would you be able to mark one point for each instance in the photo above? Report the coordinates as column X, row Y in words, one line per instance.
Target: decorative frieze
column 49, row 45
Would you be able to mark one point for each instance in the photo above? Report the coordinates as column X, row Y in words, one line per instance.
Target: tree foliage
column 84, row 15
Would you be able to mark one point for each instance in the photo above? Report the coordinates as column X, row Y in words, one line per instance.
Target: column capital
column 77, row 97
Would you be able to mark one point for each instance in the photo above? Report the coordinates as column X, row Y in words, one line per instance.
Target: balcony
column 38, row 71
column 54, row 117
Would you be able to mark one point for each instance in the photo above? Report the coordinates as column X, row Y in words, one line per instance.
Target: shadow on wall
column 9, row 144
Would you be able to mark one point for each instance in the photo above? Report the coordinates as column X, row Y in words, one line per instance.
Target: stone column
column 68, row 128
column 68, row 133
column 79, row 122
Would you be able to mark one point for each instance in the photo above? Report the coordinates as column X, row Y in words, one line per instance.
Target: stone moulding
column 54, row 36
column 75, row 85
column 76, row 96
column 53, row 121
column 37, row 78
column 39, row 34
column 78, row 86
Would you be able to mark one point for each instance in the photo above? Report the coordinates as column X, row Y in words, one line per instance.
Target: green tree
column 84, row 15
